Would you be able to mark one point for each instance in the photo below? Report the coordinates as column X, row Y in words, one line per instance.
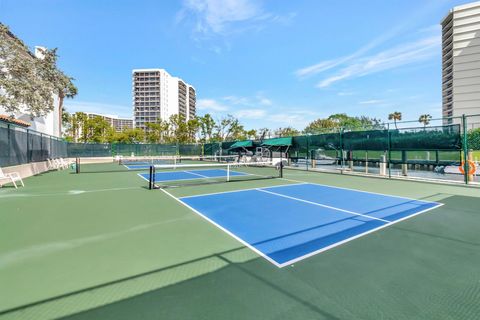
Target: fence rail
column 442, row 142
column 19, row 145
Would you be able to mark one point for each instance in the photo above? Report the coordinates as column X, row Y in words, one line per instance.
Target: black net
column 200, row 174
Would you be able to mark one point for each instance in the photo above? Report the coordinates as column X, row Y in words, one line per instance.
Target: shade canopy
column 278, row 142
column 241, row 144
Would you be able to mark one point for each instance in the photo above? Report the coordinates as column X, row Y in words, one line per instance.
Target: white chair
column 11, row 177
column 64, row 163
column 51, row 164
column 59, row 164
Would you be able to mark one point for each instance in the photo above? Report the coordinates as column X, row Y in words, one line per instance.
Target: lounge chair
column 12, row 177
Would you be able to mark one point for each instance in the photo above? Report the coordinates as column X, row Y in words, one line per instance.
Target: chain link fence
column 20, row 145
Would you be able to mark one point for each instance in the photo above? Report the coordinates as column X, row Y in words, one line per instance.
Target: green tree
column 97, row 129
column 320, row 126
column 158, row 132
column 62, row 84
column 193, row 126
column 25, row 85
column 207, row 126
column 425, row 119
column 342, row 120
column 229, row 128
column 131, row 136
column 178, row 129
column 395, row 116
column 286, row 132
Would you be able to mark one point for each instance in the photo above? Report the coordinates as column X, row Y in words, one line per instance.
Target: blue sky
column 270, row 63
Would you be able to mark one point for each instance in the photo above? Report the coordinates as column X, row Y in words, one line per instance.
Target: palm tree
column 395, row 116
column 425, row 119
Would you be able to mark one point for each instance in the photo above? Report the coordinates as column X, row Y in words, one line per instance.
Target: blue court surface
column 140, row 165
column 288, row 223
column 191, row 174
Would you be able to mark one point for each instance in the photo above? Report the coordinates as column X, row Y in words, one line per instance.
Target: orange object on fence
column 471, row 167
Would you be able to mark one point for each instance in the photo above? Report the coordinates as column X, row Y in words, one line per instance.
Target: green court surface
column 103, row 246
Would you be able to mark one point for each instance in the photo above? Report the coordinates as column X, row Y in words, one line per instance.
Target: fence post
column 466, row 165
column 389, row 146
column 308, row 151
column 342, row 163
column 9, row 138
column 29, row 154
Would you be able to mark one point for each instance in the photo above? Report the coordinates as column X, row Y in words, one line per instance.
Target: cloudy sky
column 270, row 63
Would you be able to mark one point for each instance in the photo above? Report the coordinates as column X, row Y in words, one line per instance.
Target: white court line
column 225, row 230
column 196, row 174
column 354, row 237
column 281, row 265
column 140, row 175
column 324, row 205
column 241, row 190
column 371, row 192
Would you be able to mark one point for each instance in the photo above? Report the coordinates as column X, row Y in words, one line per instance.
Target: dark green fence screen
column 19, row 145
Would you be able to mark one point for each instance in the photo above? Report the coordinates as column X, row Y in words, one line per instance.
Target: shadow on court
column 422, row 268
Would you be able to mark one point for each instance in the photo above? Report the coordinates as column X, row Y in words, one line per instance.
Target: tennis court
column 302, row 245
column 286, row 224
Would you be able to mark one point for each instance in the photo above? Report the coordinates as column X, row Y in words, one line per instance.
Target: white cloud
column 236, row 100
column 212, row 18
column 401, row 55
column 320, row 67
column 373, row 101
column 265, row 101
column 345, row 93
column 418, row 16
column 250, row 114
column 211, row 104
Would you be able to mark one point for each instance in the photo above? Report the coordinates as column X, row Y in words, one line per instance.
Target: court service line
column 241, row 190
column 196, row 174
column 363, row 191
column 224, row 230
column 336, row 244
column 323, row 205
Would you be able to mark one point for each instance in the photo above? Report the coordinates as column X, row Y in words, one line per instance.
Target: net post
column 389, row 146
column 228, row 172
column 77, row 165
column 151, row 178
column 281, row 169
column 466, row 165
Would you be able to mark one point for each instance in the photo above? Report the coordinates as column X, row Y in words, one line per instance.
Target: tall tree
column 425, row 119
column 395, row 116
column 207, row 126
column 320, row 126
column 25, row 86
column 286, row 132
column 158, row 132
column 178, row 128
column 62, row 84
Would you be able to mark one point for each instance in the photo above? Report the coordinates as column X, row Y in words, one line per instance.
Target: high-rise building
column 119, row 124
column 157, row 96
column 461, row 62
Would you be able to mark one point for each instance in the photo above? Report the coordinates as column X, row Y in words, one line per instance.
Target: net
column 142, row 163
column 168, row 176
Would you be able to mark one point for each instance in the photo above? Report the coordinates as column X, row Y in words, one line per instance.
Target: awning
column 278, row 142
column 241, row 144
